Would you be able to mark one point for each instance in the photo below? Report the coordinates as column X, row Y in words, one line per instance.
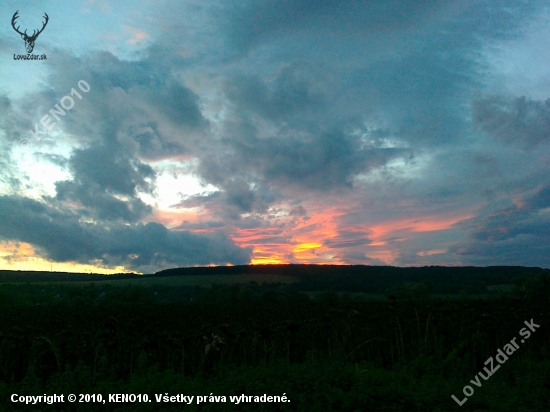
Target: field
column 336, row 350
column 204, row 281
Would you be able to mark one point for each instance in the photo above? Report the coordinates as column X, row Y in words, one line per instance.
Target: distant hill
column 376, row 279
column 23, row 276
column 341, row 278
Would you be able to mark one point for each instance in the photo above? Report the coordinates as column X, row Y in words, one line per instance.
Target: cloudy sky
column 403, row 132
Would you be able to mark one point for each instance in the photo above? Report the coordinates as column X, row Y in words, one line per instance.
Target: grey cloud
column 133, row 110
column 255, row 21
column 212, row 224
column 298, row 87
column 98, row 204
column 198, row 200
column 412, row 91
column 101, row 176
column 175, row 102
column 61, row 236
column 151, row 144
column 540, row 199
column 13, row 120
column 347, row 239
column 236, row 198
column 252, row 22
column 298, row 211
column 412, row 62
column 250, row 222
column 360, row 258
column 322, row 162
column 111, row 169
column 239, row 194
column 9, row 178
column 522, row 251
column 516, row 121
column 140, row 104
column 52, row 158
column 383, row 81
column 515, row 234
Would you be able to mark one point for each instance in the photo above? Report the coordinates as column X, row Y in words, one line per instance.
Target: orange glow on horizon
column 22, row 256
column 328, row 234
column 306, row 247
column 270, row 260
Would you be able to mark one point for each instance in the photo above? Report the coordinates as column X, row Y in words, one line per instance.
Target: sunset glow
column 22, row 256
column 364, row 133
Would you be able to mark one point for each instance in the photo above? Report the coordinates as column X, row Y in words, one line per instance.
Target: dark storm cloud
column 251, row 223
column 137, row 103
column 298, row 211
column 367, row 103
column 133, row 110
column 239, row 194
column 310, row 149
column 200, row 226
column 179, row 105
column 513, row 120
column 385, row 82
column 346, row 239
column 62, row 237
column 252, row 22
column 237, row 198
column 411, row 63
column 14, row 121
column 100, row 205
column 8, row 176
column 322, row 162
column 360, row 258
column 405, row 69
column 539, row 200
column 298, row 87
column 517, row 233
column 99, row 175
column 110, row 169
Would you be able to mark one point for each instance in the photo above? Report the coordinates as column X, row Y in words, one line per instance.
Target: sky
column 161, row 134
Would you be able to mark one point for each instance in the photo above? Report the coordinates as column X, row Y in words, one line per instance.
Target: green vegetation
column 199, row 280
column 338, row 351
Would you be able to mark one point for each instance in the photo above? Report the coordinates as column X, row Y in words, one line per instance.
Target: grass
column 352, row 295
column 310, row 386
column 501, row 288
column 205, row 281
column 329, row 354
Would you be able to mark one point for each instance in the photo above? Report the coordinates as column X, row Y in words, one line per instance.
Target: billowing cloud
column 61, row 236
column 518, row 121
column 359, row 132
column 96, row 187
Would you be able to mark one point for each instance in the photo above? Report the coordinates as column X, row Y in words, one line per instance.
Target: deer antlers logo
column 29, row 40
